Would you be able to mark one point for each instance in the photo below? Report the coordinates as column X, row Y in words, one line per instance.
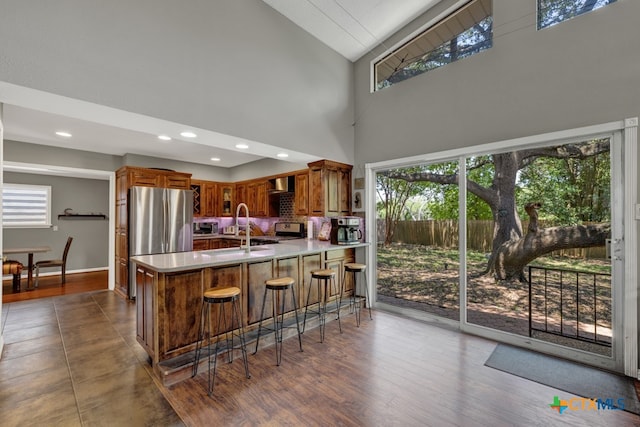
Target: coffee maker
column 345, row 230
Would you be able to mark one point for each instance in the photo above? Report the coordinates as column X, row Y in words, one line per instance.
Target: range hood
column 283, row 184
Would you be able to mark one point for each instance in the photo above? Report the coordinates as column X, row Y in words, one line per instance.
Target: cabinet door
column 257, row 274
column 301, row 197
column 309, row 263
column 145, row 327
column 331, row 192
column 226, row 276
column 288, row 267
column 201, row 245
column 225, row 200
column 210, row 199
column 197, row 188
column 241, row 193
column 262, row 201
column 145, row 178
column 316, row 191
column 344, row 191
column 180, row 181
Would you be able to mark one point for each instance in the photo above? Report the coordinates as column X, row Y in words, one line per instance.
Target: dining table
column 29, row 250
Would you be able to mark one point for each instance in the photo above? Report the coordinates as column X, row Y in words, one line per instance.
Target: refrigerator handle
column 165, row 219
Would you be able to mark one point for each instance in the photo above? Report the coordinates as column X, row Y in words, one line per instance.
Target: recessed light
column 283, row 155
column 242, row 146
column 215, row 159
column 65, row 134
column 188, row 134
column 164, row 138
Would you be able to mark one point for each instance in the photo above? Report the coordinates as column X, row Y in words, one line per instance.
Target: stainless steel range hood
column 283, row 185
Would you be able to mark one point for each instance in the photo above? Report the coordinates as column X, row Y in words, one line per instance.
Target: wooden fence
column 444, row 234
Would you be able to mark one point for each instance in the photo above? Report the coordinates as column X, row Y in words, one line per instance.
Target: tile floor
column 74, row 361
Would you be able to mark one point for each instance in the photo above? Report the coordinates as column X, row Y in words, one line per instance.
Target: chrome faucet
column 247, row 226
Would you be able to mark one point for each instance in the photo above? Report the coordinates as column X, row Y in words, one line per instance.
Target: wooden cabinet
column 241, row 194
column 144, row 311
column 301, row 195
column 205, row 198
column 308, row 264
column 127, row 177
column 335, row 260
column 329, row 188
column 225, row 200
column 201, row 244
column 256, row 196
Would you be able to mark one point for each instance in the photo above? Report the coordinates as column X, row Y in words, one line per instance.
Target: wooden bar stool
column 326, row 275
column 220, row 296
column 278, row 288
column 14, row 268
column 355, row 300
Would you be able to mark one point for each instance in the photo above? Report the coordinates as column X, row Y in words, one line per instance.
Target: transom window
column 552, row 12
column 463, row 33
column 26, row 205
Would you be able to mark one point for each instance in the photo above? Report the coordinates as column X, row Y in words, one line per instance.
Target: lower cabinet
column 144, row 309
column 201, row 244
column 168, row 305
column 335, row 260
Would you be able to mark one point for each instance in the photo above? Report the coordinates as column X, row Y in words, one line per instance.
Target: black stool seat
column 326, row 275
column 355, row 300
column 277, row 286
column 221, row 296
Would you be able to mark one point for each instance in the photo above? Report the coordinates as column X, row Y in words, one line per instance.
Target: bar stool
column 278, row 288
column 326, row 275
column 14, row 268
column 220, row 296
column 355, row 300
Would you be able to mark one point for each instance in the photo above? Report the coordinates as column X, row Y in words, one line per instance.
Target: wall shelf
column 82, row 216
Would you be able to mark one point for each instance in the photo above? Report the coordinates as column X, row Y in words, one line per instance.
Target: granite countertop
column 182, row 261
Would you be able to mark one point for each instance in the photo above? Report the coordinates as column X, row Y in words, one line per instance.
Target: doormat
column 574, row 378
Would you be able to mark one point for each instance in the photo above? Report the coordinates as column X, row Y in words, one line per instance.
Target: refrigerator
column 160, row 221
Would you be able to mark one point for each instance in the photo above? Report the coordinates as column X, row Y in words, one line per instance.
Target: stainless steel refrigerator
column 160, row 221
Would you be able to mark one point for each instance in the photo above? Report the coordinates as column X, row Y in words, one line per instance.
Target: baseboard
column 57, row 273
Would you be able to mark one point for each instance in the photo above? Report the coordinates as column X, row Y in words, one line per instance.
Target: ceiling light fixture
column 242, row 146
column 188, row 134
column 215, row 159
column 164, row 137
column 64, row 134
column 283, row 155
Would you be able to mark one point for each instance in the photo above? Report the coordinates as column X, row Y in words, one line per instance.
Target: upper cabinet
column 212, row 199
column 226, row 199
column 155, row 178
column 301, row 195
column 329, row 188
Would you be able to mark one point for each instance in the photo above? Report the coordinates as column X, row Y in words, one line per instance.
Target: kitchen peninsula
column 170, row 289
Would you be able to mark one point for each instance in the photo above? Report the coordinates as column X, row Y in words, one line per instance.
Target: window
column 552, row 12
column 465, row 32
column 26, row 205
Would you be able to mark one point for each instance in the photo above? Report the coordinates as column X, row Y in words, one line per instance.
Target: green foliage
column 572, row 191
column 551, row 12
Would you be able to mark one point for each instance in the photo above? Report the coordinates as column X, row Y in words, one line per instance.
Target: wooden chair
column 49, row 263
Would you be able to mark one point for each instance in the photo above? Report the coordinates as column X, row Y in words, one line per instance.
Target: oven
column 283, row 231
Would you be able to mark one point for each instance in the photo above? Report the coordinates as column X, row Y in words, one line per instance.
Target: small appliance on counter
column 229, row 230
column 345, row 230
column 205, row 228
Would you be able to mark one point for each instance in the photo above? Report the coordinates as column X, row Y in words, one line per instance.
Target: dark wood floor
column 391, row 371
column 49, row 286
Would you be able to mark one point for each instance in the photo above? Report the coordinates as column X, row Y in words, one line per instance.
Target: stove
column 283, row 231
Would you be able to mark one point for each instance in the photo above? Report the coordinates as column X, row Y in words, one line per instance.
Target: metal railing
column 570, row 303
